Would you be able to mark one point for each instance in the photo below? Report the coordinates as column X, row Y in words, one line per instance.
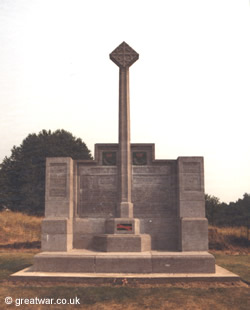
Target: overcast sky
column 190, row 88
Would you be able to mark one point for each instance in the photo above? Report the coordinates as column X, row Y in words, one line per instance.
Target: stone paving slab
column 221, row 275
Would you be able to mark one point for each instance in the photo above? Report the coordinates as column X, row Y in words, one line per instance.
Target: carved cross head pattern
column 124, row 56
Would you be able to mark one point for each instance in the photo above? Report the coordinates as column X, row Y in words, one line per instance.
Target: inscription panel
column 97, row 192
column 192, row 176
column 154, row 192
column 192, row 181
column 83, row 170
column 191, row 167
column 159, row 170
column 58, row 180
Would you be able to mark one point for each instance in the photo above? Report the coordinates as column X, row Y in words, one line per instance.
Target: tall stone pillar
column 124, row 56
column 123, row 232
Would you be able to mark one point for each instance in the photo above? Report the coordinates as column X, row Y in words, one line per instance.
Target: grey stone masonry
column 167, row 195
column 123, row 262
column 57, row 230
column 122, row 243
column 191, row 205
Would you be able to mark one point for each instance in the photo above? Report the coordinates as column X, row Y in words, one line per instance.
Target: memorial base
column 145, row 262
column 221, row 275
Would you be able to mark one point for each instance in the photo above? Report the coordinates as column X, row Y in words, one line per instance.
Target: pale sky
column 189, row 90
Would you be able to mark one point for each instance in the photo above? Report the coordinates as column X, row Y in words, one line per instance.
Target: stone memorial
column 125, row 211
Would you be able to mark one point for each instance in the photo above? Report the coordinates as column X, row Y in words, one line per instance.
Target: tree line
column 231, row 214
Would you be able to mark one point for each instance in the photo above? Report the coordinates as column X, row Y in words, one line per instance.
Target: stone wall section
column 97, row 191
column 168, row 198
column 57, row 231
column 193, row 229
column 154, row 196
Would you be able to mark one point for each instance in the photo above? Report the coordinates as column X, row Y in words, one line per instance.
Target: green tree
column 242, row 217
column 231, row 214
column 22, row 175
column 212, row 203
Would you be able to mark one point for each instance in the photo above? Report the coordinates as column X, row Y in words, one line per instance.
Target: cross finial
column 124, row 56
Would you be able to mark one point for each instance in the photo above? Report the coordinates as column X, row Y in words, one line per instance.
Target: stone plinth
column 122, row 235
column 125, row 262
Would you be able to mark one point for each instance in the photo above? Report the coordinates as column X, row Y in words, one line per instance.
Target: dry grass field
column 20, row 240
column 229, row 238
column 19, row 230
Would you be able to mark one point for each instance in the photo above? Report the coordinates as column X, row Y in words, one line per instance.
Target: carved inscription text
column 192, row 176
column 58, row 180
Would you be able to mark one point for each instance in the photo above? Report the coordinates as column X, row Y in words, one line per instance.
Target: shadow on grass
column 13, row 262
column 239, row 264
column 22, row 245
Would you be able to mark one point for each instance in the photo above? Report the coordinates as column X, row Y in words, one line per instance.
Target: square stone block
column 56, row 234
column 83, row 241
column 167, row 242
column 192, row 208
column 122, row 243
column 89, row 225
column 56, row 242
column 193, row 234
column 56, row 226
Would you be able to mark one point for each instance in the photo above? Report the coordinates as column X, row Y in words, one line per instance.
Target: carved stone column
column 124, row 56
column 123, row 232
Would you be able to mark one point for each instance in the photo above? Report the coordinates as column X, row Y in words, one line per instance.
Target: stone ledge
column 220, row 276
column 121, row 262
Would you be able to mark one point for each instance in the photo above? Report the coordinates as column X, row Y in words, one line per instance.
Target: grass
column 102, row 297
column 19, row 231
column 238, row 232
column 229, row 238
column 237, row 263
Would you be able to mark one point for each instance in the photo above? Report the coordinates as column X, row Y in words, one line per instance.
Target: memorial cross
column 124, row 56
